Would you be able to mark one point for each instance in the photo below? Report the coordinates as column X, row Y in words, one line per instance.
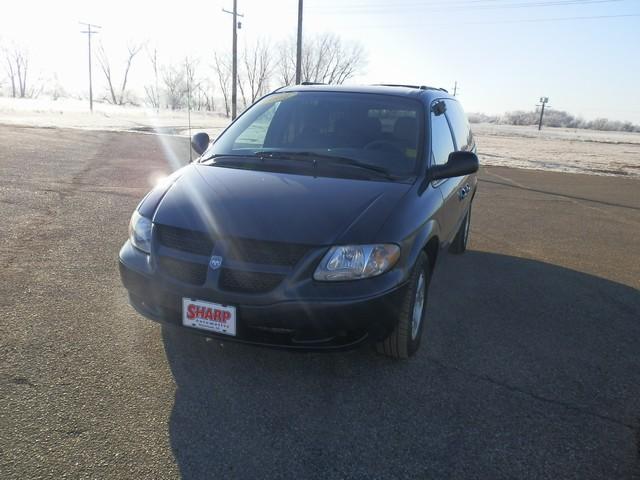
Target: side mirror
column 200, row 142
column 458, row 164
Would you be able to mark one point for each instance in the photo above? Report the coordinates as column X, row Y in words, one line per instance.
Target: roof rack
column 295, row 85
column 419, row 87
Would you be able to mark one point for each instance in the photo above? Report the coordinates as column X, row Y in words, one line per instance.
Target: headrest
column 406, row 129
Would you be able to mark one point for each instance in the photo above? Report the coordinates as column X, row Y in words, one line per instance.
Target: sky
column 504, row 54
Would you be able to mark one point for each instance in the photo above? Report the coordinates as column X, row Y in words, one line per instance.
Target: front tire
column 404, row 341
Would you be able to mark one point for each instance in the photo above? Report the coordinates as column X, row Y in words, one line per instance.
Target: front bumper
column 341, row 321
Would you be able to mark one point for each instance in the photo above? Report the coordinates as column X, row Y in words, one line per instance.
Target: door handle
column 464, row 191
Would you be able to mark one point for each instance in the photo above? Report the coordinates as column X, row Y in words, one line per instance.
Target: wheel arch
column 432, row 248
column 427, row 240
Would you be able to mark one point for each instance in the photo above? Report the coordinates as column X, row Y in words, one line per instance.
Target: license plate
column 209, row 316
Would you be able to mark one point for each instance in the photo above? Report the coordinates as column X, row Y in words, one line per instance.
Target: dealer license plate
column 209, row 316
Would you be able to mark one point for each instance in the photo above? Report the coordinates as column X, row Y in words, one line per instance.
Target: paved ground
column 530, row 368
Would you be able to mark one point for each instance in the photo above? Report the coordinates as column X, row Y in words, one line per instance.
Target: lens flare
column 156, row 178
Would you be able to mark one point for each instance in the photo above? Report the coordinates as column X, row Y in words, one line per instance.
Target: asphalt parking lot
column 530, row 364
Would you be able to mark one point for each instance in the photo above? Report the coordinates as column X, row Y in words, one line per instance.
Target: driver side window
column 441, row 140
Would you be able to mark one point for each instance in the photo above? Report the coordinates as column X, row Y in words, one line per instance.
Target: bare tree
column 174, row 80
column 133, row 50
column 180, row 84
column 55, row 89
column 257, row 69
column 325, row 59
column 152, row 92
column 190, row 66
column 203, row 96
column 222, row 69
column 200, row 88
column 17, row 67
column 103, row 60
column 287, row 62
column 11, row 73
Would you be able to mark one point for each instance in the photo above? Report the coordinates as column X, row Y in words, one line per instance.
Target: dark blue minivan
column 313, row 222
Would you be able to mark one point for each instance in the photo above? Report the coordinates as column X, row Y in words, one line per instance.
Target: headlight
column 352, row 262
column 140, row 232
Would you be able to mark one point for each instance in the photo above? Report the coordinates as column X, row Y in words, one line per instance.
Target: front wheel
column 404, row 341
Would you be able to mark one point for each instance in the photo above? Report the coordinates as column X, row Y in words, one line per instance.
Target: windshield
column 380, row 131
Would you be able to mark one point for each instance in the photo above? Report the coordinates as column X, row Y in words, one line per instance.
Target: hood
column 278, row 207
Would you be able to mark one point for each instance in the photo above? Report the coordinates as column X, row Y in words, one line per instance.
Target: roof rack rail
column 312, row 83
column 419, row 87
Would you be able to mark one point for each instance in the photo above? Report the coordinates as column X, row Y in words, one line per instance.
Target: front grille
column 239, row 250
column 187, row 272
column 249, row 282
column 270, row 253
column 192, row 241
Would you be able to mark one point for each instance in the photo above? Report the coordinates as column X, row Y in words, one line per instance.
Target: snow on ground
column 557, row 149
column 72, row 113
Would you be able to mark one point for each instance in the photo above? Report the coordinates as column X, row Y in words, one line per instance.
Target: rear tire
column 404, row 341
column 461, row 240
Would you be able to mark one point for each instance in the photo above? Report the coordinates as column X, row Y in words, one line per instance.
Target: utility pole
column 234, row 65
column 90, row 32
column 455, row 88
column 188, row 70
column 543, row 102
column 299, row 46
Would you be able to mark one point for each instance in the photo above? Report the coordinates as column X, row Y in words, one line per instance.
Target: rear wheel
column 404, row 341
column 461, row 240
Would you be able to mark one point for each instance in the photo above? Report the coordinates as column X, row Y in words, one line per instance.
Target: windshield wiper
column 213, row 156
column 280, row 155
column 352, row 162
column 219, row 157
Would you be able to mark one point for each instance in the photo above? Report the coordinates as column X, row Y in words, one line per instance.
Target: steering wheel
column 384, row 146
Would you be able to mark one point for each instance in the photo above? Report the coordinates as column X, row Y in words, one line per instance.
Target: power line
column 448, row 6
column 438, row 3
column 497, row 22
column 554, row 19
column 90, row 32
